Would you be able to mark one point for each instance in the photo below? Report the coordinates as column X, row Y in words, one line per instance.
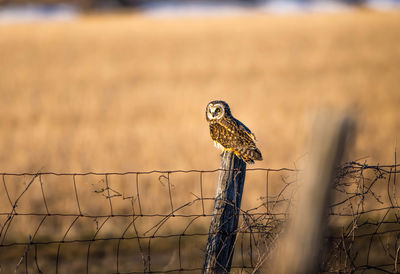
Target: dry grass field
column 127, row 92
column 118, row 93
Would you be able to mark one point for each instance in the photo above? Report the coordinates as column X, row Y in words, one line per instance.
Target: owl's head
column 216, row 110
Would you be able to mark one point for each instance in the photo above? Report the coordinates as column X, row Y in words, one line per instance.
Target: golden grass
column 128, row 93
column 117, row 93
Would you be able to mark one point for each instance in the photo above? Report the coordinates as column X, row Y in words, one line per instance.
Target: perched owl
column 230, row 134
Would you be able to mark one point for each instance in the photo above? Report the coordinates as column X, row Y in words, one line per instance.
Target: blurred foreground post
column 300, row 248
column 224, row 223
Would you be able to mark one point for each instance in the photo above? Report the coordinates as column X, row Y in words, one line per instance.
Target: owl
column 229, row 133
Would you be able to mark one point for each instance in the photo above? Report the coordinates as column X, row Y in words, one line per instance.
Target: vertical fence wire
column 34, row 228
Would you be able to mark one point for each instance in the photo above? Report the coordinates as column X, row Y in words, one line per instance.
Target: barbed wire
column 157, row 221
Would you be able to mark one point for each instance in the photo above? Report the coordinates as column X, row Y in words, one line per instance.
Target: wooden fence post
column 224, row 223
column 299, row 251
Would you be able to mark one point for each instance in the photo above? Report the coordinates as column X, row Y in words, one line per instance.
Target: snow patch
column 383, row 4
column 31, row 13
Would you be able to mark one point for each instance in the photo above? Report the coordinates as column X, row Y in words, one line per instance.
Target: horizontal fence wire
column 157, row 221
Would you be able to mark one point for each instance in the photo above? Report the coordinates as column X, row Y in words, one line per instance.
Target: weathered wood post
column 224, row 223
column 299, row 251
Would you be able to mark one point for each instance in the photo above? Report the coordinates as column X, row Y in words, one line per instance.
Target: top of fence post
column 224, row 223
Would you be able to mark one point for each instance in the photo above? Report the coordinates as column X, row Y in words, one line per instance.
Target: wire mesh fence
column 157, row 221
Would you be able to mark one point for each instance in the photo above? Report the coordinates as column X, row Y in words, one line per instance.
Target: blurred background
column 123, row 85
column 115, row 86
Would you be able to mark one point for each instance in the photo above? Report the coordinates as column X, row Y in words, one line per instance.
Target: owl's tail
column 251, row 154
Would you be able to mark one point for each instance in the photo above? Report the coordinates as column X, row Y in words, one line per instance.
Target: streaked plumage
column 229, row 133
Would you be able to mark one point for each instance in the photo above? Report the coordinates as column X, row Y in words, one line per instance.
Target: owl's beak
column 212, row 111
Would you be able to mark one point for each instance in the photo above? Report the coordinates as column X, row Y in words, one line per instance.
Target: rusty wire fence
column 157, row 221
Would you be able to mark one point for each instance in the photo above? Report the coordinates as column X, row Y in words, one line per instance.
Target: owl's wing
column 234, row 124
column 247, row 130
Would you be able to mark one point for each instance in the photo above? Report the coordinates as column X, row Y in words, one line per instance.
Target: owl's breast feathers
column 232, row 135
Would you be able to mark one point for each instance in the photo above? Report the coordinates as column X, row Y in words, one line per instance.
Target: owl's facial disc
column 215, row 111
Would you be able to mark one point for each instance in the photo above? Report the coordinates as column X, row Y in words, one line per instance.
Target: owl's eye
column 217, row 110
